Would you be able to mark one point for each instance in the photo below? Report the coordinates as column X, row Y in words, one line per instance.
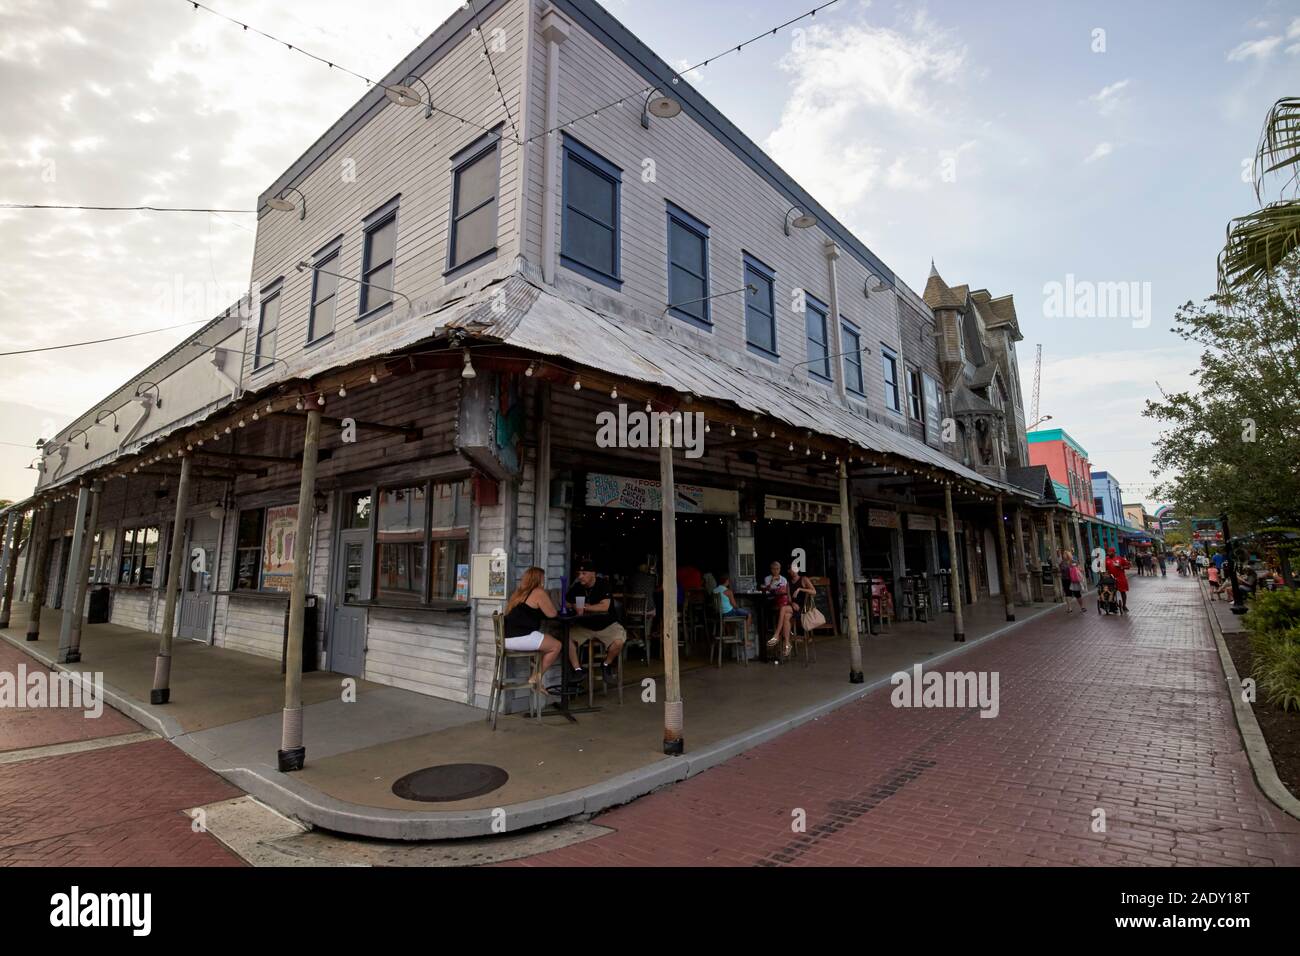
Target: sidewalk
column 1129, row 716
column 225, row 712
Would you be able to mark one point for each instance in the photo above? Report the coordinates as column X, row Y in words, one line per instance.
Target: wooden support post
column 13, row 535
column 39, row 556
column 292, row 754
column 674, row 743
column 850, row 589
column 72, row 590
column 162, row 668
column 1004, row 562
column 83, row 576
column 954, row 575
column 1056, row 551
column 1036, row 560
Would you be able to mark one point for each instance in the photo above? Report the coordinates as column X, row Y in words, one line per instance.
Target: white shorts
column 526, row 642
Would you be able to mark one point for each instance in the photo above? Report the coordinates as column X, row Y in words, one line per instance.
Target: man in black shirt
column 597, row 619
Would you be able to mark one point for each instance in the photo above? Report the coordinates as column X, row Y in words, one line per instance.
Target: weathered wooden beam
column 410, row 431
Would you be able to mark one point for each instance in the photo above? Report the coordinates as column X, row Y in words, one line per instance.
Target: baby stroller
column 1107, row 594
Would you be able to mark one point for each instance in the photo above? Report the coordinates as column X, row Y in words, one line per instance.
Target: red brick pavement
column 115, row 806
column 23, row 727
column 1129, row 715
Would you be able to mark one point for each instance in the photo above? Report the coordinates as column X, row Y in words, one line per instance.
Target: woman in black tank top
column 526, row 610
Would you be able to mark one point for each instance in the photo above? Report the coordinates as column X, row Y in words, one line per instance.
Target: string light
column 577, row 384
column 343, row 392
column 374, row 380
column 320, row 399
column 613, row 392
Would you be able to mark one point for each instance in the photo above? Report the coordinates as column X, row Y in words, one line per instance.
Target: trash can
column 310, row 651
column 100, row 603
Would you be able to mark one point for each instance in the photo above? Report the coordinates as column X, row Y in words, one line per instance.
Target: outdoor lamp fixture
column 880, row 286
column 280, row 204
column 468, row 370
column 1045, row 418
column 36, row 464
column 99, row 418
column 663, row 106
column 799, row 219
column 144, row 387
column 83, row 432
column 403, row 94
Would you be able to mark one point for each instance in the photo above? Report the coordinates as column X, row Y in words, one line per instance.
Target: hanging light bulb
column 755, row 432
column 467, row 371
column 733, row 431
column 532, row 367
column 773, row 435
column 791, row 448
column 254, row 416
column 577, row 385
column 374, row 379
column 268, row 408
column 343, row 392
column 647, row 406
column 823, row 456
column 706, row 428
column 241, row 423
column 320, row 399
column 613, row 393
column 200, row 442
column 227, row 429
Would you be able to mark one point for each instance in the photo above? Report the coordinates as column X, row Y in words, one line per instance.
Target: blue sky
column 991, row 137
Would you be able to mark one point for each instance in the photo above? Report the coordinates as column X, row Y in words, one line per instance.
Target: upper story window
column 760, row 307
column 889, row 364
column 324, row 292
column 852, row 359
column 476, row 172
column 377, row 258
column 915, row 399
column 933, row 409
column 688, row 267
column 589, row 240
column 819, row 351
column 267, row 323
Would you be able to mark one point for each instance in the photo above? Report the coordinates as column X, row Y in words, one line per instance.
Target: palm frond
column 1257, row 243
column 1279, row 147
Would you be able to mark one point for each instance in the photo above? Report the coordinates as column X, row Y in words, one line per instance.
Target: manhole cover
column 452, row 781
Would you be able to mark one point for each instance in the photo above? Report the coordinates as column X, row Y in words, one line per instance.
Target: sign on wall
column 882, row 518
column 615, row 491
column 277, row 547
column 797, row 509
column 921, row 522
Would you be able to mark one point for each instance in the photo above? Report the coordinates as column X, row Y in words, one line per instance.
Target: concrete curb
column 1261, row 761
column 287, row 795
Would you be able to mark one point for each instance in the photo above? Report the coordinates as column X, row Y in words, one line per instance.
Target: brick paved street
column 114, row 806
column 1128, row 715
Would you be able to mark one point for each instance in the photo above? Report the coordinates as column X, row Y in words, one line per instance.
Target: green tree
column 1233, row 442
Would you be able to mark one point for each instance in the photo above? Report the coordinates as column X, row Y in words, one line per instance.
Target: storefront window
column 101, row 571
column 248, row 551
column 400, row 540
column 449, row 568
column 139, row 555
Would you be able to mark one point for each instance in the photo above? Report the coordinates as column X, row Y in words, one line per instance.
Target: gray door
column 196, row 596
column 351, row 584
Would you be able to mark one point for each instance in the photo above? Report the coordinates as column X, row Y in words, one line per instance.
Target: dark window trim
column 330, row 252
column 480, row 147
column 767, row 272
column 604, row 168
column 376, row 220
column 824, row 310
column 426, row 600
column 272, row 291
column 887, row 353
column 853, row 330
column 908, row 370
column 688, row 222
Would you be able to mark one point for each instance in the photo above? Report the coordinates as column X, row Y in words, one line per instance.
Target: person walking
column 1116, row 566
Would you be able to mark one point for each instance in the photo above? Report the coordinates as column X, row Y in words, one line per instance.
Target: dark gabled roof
column 937, row 294
column 1034, row 478
column 964, row 400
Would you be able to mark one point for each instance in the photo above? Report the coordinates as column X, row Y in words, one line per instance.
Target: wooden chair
column 739, row 633
column 500, row 680
column 882, row 603
column 798, row 635
column 637, row 620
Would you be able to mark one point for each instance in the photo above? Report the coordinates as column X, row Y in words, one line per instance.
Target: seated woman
column 727, row 599
column 776, row 584
column 525, row 610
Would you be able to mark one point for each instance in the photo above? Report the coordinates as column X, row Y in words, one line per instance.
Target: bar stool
column 739, row 634
column 799, row 634
column 500, row 681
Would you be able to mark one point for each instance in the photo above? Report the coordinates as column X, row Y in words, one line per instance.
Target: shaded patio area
column 225, row 711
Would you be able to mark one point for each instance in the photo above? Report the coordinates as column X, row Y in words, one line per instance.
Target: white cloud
column 856, row 88
column 1109, row 98
column 1100, row 151
column 1260, row 49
